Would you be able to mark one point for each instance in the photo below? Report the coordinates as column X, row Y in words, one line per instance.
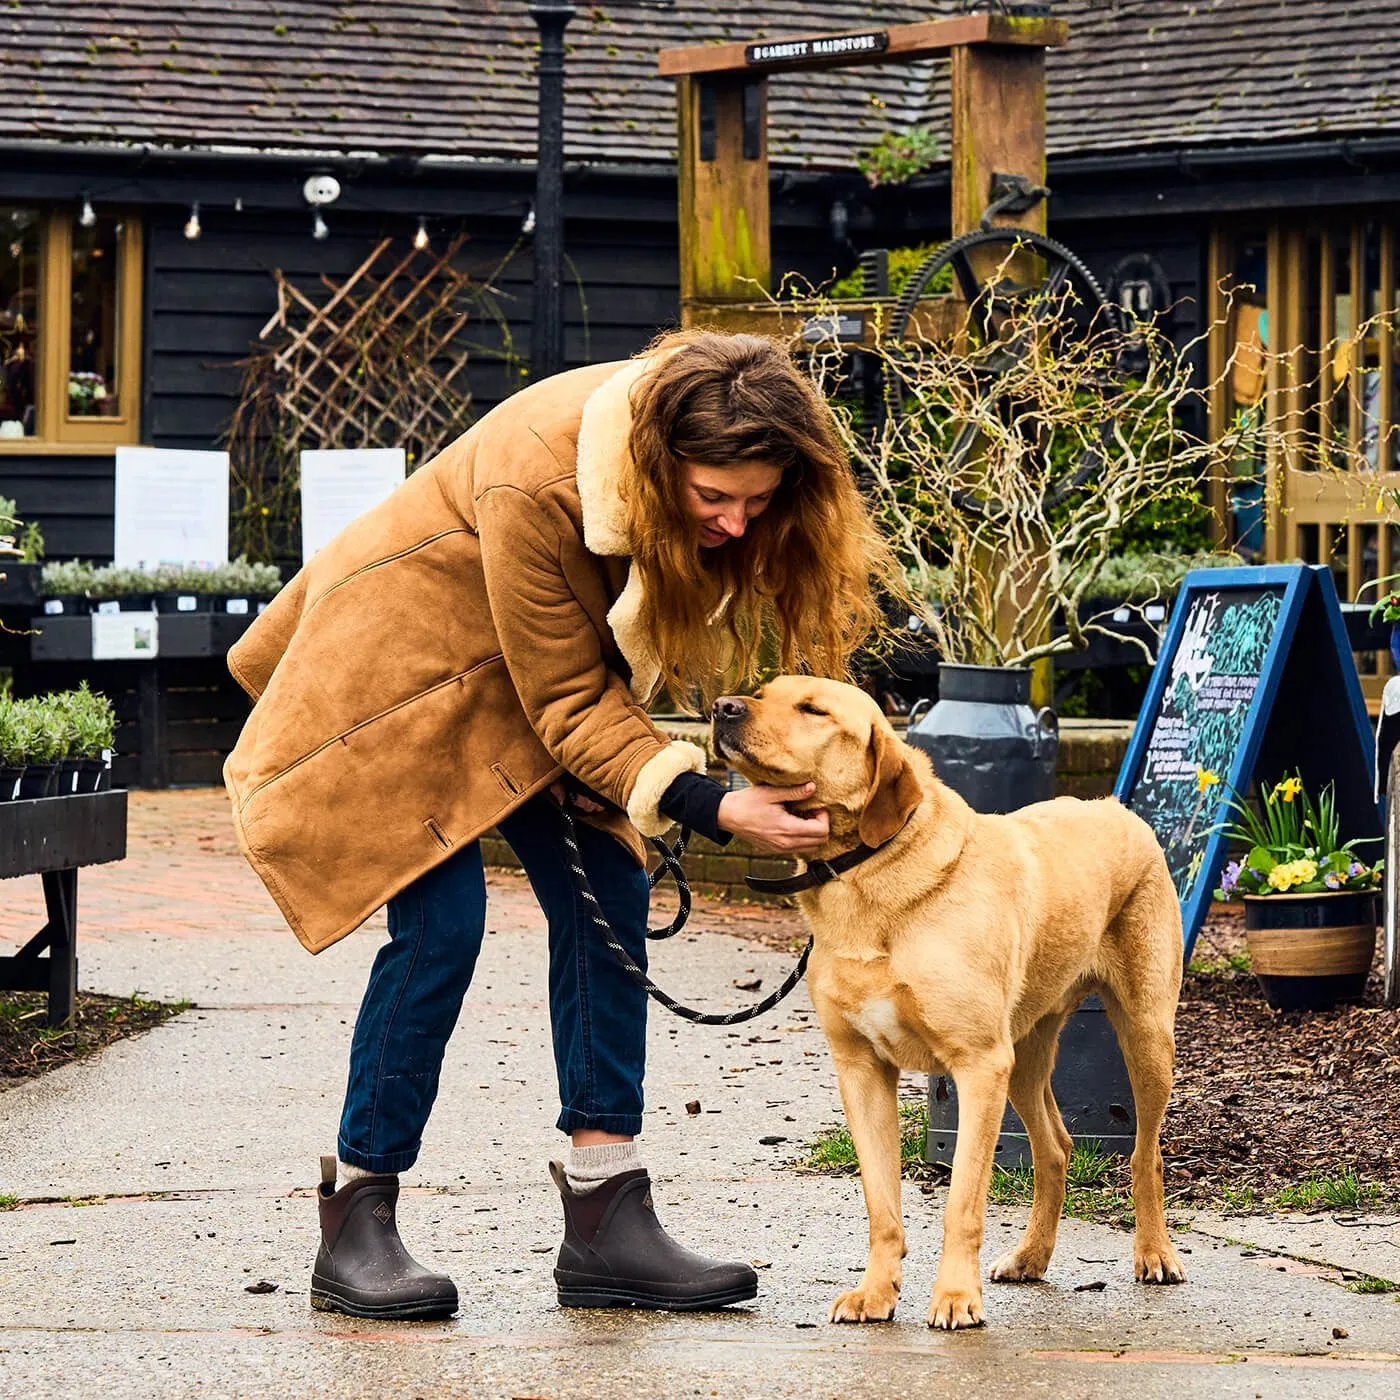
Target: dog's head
column 799, row 729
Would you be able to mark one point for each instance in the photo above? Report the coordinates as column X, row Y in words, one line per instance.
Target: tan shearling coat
column 447, row 656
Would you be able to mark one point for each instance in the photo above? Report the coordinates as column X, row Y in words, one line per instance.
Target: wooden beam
column 900, row 43
column 864, row 321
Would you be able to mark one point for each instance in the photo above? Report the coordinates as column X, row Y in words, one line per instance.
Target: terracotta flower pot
column 1310, row 951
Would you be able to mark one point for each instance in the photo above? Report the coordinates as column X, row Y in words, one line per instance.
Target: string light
column 527, row 226
column 318, row 227
column 89, row 216
column 192, row 229
column 420, row 239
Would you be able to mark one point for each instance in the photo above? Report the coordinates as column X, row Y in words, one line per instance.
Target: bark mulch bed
column 30, row 1046
column 1267, row 1101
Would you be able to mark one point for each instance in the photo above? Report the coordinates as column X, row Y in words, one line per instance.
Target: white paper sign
column 171, row 507
column 125, row 636
column 338, row 487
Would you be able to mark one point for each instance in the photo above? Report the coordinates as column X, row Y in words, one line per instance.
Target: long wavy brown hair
column 799, row 591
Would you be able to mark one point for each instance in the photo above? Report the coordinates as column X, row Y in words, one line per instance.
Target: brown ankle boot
column 616, row 1255
column 362, row 1267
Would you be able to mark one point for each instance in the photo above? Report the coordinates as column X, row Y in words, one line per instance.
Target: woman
column 484, row 645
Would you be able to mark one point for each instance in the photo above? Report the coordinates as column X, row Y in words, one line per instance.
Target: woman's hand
column 566, row 797
column 758, row 815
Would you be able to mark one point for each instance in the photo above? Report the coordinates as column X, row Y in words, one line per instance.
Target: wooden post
column 998, row 128
column 722, row 121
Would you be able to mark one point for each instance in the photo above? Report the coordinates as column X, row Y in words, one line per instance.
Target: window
column 69, row 330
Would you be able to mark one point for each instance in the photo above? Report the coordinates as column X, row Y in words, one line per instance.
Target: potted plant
column 43, row 740
column 66, row 585
column 94, row 725
column 1309, row 898
column 12, row 750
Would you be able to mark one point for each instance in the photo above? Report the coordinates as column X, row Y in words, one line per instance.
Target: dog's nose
column 730, row 707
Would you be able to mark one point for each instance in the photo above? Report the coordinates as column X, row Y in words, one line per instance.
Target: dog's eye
column 807, row 708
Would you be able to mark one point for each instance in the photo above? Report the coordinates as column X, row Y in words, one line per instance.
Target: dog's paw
column 1158, row 1265
column 955, row 1308
column 1020, row 1265
column 869, row 1303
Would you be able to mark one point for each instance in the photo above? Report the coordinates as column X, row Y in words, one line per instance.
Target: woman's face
column 722, row 500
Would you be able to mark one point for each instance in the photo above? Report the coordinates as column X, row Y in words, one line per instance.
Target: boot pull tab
column 327, row 1174
column 556, row 1170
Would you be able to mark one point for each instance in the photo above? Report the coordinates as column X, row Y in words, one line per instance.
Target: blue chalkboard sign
column 1255, row 678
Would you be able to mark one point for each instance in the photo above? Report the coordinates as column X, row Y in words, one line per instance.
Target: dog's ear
column 894, row 793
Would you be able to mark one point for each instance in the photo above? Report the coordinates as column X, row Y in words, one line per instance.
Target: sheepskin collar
column 603, row 457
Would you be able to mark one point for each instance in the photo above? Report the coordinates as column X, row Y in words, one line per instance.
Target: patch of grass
column 1238, row 1200
column 8, row 1201
column 1367, row 1283
column 1094, row 1185
column 834, row 1151
column 1344, row 1192
column 1214, row 967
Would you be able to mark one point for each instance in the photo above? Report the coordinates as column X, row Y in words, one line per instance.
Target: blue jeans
column 598, row 1015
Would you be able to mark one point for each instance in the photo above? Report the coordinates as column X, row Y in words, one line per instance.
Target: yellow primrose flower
column 1205, row 779
column 1288, row 789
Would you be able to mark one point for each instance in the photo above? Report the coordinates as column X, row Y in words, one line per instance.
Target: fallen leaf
column 749, row 984
column 262, row 1286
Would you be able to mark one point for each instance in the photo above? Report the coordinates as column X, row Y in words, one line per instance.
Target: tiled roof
column 455, row 78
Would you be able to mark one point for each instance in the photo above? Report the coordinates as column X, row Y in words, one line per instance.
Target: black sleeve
column 693, row 800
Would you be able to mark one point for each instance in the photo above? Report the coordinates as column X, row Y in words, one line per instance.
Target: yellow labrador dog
column 959, row 946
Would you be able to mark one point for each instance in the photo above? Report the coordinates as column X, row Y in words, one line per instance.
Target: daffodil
column 1205, row 779
column 1289, row 788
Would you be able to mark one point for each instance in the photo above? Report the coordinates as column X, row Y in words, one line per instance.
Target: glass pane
column 1308, row 550
column 19, row 320
column 1343, row 324
column 92, row 361
column 1368, row 662
column 1245, row 386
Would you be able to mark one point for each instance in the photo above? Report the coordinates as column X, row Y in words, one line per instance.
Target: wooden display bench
column 53, row 837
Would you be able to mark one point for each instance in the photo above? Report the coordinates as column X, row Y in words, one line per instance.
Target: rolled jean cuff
column 380, row 1163
column 624, row 1124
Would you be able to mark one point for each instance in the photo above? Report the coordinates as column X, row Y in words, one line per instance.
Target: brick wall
column 1090, row 754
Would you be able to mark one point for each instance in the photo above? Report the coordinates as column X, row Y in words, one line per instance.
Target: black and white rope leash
column 670, row 863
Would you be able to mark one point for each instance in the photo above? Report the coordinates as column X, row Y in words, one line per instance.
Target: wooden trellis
column 378, row 360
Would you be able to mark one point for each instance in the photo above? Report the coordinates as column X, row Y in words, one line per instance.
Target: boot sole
column 594, row 1296
column 421, row 1310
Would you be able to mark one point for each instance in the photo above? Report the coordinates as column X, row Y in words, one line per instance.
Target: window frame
column 57, row 432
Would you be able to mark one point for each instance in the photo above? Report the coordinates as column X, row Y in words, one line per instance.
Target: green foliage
column 235, row 578
column 67, row 576
column 1369, row 1283
column 903, row 264
column 69, row 724
column 834, row 1150
column 1091, row 1191
column 1238, row 1200
column 8, row 1200
column 29, row 539
column 899, row 155
column 1140, row 575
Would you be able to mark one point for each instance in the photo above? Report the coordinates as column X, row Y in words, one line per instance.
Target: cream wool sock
column 345, row 1174
column 589, row 1167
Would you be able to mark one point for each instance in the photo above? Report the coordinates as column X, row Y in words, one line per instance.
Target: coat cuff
column 654, row 777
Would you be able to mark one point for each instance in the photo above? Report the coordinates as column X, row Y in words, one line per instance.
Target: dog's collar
column 818, row 872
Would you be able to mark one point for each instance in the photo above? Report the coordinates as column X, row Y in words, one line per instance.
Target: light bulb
column 192, row 229
column 89, row 216
column 318, row 227
column 528, row 226
column 420, row 239
column 238, row 204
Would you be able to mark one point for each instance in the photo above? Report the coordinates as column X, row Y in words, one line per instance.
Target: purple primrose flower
column 1332, row 880
column 1230, row 877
